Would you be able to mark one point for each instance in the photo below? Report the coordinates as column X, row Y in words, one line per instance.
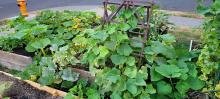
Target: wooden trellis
column 142, row 24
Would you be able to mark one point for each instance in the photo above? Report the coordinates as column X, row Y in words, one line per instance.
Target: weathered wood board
column 14, row 61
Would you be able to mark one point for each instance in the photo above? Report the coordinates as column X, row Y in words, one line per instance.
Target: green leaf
column 125, row 26
column 145, row 95
column 68, row 23
column 21, row 34
column 47, row 77
column 169, row 71
column 216, row 6
column 140, row 81
column 120, row 85
column 113, row 75
column 135, row 42
column 150, row 89
column 131, row 61
column 168, row 38
column 103, row 51
column 118, row 37
column 131, row 87
column 164, row 88
column 195, row 83
column 57, row 41
column 165, row 50
column 69, row 96
column 67, row 84
column 118, row 59
column 41, row 43
column 111, row 45
column 143, row 72
column 130, row 71
column 155, row 76
column 101, row 36
column 93, row 94
column 115, row 95
column 124, row 49
column 182, row 87
column 38, row 29
column 69, row 75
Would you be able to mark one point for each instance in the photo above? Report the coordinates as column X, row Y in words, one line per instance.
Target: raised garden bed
column 27, row 89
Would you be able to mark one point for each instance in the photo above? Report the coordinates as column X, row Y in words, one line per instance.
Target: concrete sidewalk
column 176, row 20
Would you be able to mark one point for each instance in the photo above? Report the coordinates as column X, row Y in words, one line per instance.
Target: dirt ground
column 22, row 90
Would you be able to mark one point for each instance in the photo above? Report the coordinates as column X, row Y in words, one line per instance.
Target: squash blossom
column 77, row 21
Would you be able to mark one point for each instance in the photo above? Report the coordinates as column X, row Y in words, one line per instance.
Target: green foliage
column 107, row 51
column 209, row 58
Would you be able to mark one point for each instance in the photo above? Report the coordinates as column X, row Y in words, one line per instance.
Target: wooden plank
column 50, row 90
column 14, row 61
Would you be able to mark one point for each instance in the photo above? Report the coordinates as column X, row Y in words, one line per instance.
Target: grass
column 183, row 14
column 184, row 35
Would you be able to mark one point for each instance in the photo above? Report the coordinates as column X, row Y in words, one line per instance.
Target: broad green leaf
column 125, row 26
column 21, row 34
column 143, row 72
column 68, row 23
column 47, row 62
column 150, row 89
column 131, row 61
column 165, row 50
column 144, row 95
column 124, row 49
column 113, row 75
column 57, row 41
column 103, row 51
column 101, row 36
column 155, row 76
column 47, row 77
column 118, row 37
column 111, row 45
column 202, row 9
column 169, row 71
column 182, row 87
column 216, row 6
column 29, row 48
column 168, row 38
column 135, row 42
column 120, row 85
column 118, row 59
column 195, row 83
column 139, row 80
column 164, row 88
column 131, row 87
column 41, row 43
column 93, row 94
column 69, row 75
column 115, row 95
column 130, row 71
column 67, row 84
column 36, row 30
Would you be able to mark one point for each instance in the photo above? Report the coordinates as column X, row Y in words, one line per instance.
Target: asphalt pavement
column 9, row 8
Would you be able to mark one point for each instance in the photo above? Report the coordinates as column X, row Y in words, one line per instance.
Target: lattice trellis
column 145, row 25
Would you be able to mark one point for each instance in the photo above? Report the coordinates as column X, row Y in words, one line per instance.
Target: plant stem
column 42, row 50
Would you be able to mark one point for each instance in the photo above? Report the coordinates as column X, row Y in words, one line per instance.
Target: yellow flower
column 217, row 87
column 77, row 20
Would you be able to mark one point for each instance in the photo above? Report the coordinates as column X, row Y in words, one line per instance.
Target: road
column 8, row 8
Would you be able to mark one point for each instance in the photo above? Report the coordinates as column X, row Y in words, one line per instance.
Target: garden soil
column 22, row 90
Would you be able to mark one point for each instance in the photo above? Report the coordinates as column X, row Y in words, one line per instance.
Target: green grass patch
column 185, row 34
